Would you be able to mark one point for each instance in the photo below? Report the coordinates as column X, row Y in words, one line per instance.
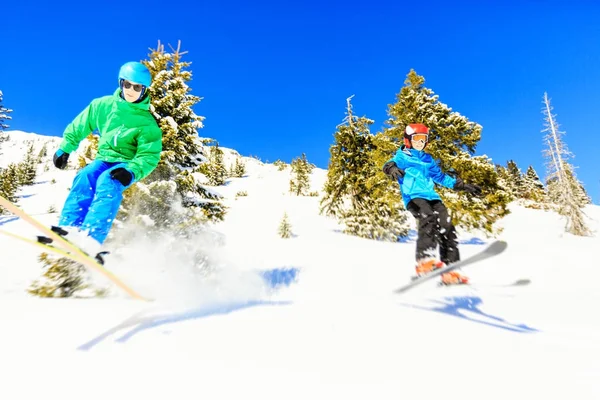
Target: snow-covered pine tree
column 357, row 192
column 281, row 165
column 177, row 181
column 504, row 181
column 534, row 188
column 285, row 228
column 239, row 168
column 301, row 171
column 27, row 169
column 516, row 177
column 3, row 118
column 4, row 114
column 9, row 183
column 453, row 139
column 579, row 193
column 42, row 153
column 561, row 187
column 214, row 169
column 581, row 196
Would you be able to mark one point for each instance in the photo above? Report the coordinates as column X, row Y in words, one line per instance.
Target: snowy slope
column 335, row 332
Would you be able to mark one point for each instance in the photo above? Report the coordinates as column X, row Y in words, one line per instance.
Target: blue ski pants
column 94, row 199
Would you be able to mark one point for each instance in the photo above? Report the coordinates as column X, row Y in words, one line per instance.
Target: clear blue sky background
column 275, row 75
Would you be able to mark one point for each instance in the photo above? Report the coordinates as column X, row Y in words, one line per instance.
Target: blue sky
column 275, row 75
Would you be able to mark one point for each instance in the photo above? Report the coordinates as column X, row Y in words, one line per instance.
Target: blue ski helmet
column 135, row 72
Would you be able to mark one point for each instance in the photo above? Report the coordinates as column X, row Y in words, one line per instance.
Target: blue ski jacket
column 421, row 174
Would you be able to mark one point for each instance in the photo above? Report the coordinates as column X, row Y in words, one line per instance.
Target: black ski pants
column 434, row 227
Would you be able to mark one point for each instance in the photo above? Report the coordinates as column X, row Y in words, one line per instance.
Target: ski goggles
column 128, row 85
column 419, row 137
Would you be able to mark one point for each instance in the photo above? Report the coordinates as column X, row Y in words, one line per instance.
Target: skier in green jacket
column 129, row 149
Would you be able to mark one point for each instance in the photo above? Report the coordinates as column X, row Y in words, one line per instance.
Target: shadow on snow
column 138, row 323
column 274, row 278
column 6, row 220
column 462, row 306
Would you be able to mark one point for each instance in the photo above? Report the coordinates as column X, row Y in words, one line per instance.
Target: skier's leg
column 447, row 234
column 80, row 197
column 448, row 244
column 105, row 205
column 426, row 221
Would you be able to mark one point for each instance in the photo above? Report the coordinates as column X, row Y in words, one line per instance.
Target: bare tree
column 560, row 171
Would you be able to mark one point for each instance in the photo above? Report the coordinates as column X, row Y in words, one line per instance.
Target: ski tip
column 498, row 246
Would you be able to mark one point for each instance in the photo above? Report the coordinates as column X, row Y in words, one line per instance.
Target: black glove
column 467, row 187
column 122, row 175
column 60, row 159
column 391, row 169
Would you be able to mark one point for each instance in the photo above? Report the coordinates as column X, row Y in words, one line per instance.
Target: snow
column 336, row 331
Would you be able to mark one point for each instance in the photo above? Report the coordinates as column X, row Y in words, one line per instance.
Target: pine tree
column 285, row 228
column 42, row 153
column 580, row 195
column 4, row 114
column 3, row 118
column 9, row 183
column 453, row 139
column 301, row 171
column 534, row 188
column 239, row 168
column 215, row 169
column 281, row 165
column 357, row 192
column 174, row 194
column 553, row 191
column 505, row 181
column 62, row 278
column 562, row 182
column 516, row 178
column 27, row 169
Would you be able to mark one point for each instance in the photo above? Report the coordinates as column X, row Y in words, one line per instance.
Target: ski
column 37, row 243
column 50, row 242
column 516, row 283
column 492, row 250
column 46, row 245
column 68, row 249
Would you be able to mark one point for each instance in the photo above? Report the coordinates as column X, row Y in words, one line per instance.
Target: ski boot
column 454, row 278
column 426, row 266
column 82, row 241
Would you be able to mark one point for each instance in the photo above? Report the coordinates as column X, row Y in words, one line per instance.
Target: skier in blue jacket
column 417, row 173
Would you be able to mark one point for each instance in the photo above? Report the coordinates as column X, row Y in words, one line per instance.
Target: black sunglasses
column 137, row 87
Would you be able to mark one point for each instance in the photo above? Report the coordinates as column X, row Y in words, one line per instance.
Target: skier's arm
column 147, row 155
column 392, row 170
column 80, row 128
column 441, row 178
column 400, row 160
